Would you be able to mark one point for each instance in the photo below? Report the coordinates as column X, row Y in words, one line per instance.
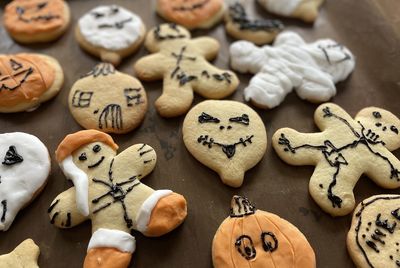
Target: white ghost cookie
column 227, row 136
column 311, row 69
column 25, row 255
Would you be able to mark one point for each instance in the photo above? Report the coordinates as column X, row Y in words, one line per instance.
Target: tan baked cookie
column 107, row 190
column 107, row 100
column 259, row 239
column 183, row 65
column 25, row 255
column 373, row 240
column 33, row 21
column 110, row 32
column 345, row 149
column 227, row 136
column 27, row 80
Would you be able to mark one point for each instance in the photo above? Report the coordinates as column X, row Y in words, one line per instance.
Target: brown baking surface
column 370, row 28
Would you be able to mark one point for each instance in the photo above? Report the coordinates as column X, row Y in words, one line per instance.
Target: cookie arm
column 150, row 68
column 207, row 46
column 330, row 115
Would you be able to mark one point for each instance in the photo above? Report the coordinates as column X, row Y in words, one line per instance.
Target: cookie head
column 163, row 33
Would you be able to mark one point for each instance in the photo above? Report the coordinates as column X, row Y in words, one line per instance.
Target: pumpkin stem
column 241, row 206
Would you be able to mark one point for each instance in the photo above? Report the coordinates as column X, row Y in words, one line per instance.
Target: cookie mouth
column 228, row 149
column 371, row 136
column 191, row 7
column 97, row 163
column 111, row 116
column 116, row 25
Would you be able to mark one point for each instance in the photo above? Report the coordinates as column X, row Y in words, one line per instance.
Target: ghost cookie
column 110, row 32
column 240, row 26
column 256, row 238
column 306, row 10
column 27, row 80
column 192, row 13
column 183, row 65
column 24, row 170
column 107, row 100
column 35, row 21
column 108, row 191
column 227, row 136
column 311, row 69
column 345, row 149
column 25, row 255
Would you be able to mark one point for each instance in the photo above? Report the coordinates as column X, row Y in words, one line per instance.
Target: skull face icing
column 227, row 136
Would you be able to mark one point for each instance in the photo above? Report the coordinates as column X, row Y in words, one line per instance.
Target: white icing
column 80, row 180
column 109, row 238
column 143, row 216
column 311, row 69
column 111, row 38
column 281, row 7
column 19, row 182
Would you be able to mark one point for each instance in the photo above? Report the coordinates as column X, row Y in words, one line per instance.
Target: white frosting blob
column 281, row 7
column 109, row 238
column 20, row 181
column 105, row 27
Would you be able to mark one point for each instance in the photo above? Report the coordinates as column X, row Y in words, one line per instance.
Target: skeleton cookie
column 24, row 256
column 344, row 150
column 108, row 100
column 110, row 32
column 183, row 64
column 107, row 190
column 311, row 69
column 227, row 136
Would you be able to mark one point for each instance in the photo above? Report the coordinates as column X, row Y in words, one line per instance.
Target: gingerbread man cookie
column 25, row 255
column 32, row 21
column 183, row 64
column 107, row 190
column 345, row 149
column 311, row 69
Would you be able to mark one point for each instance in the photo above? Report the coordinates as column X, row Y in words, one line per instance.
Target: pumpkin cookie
column 227, row 136
column 24, row 256
column 255, row 238
column 27, row 80
column 33, row 21
column 107, row 100
column 110, row 32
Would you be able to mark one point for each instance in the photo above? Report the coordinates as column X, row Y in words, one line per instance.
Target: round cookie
column 27, row 80
column 227, row 136
column 35, row 21
column 110, row 32
column 192, row 13
column 107, row 100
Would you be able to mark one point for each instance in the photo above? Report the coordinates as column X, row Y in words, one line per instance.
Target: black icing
column 12, row 157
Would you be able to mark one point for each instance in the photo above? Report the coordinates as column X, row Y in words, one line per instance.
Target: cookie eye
column 83, row 157
column 114, row 9
column 15, row 65
column 206, row 118
column 20, row 11
column 378, row 124
column 377, row 114
column 269, row 241
column 394, row 129
column 12, row 157
column 97, row 15
column 96, row 148
column 244, row 119
column 245, row 246
column 41, row 5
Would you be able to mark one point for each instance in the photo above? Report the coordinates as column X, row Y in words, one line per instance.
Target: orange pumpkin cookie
column 33, row 21
column 27, row 80
column 258, row 239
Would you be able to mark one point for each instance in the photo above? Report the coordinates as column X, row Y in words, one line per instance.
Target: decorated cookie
column 255, row 238
column 183, row 65
column 27, row 80
column 227, row 136
column 192, row 13
column 374, row 236
column 311, row 69
column 240, row 26
column 306, row 10
column 344, row 150
column 24, row 168
column 24, row 256
column 107, row 100
column 108, row 191
column 110, row 32
column 33, row 21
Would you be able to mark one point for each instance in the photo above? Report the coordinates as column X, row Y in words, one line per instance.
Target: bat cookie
column 259, row 239
column 25, row 255
column 310, row 69
column 107, row 100
column 227, row 136
column 183, row 65
column 107, row 190
column 24, row 169
column 345, row 149
column 35, row 21
column 110, row 32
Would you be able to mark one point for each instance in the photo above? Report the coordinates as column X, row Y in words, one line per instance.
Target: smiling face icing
column 227, row 136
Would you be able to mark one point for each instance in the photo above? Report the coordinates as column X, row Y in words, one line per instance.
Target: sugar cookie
column 24, row 256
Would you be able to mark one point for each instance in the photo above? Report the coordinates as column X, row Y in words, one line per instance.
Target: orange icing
column 76, row 140
column 32, row 20
column 106, row 258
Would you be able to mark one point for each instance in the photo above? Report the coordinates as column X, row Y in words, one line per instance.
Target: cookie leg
column 384, row 169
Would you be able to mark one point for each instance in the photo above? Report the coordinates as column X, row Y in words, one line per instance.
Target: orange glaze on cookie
column 23, row 77
column 107, row 258
column 34, row 16
column 190, row 13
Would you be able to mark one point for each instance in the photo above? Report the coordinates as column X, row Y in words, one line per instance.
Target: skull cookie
column 227, row 136
column 107, row 100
